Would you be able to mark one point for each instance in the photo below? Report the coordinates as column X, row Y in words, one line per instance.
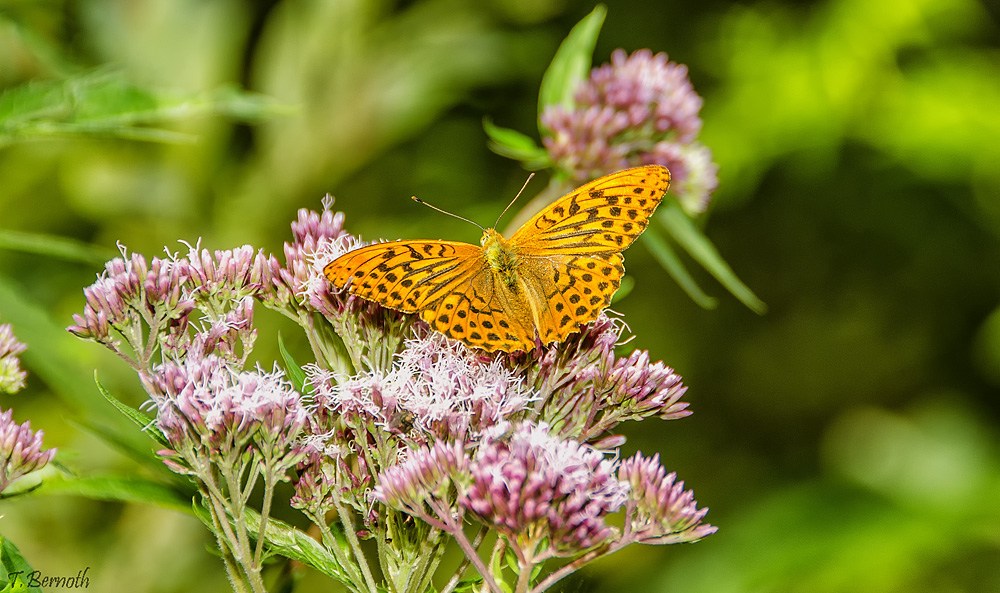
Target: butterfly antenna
column 530, row 177
column 419, row 201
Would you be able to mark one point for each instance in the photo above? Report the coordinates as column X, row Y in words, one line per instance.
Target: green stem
column 265, row 511
column 476, row 542
column 473, row 555
column 334, row 547
column 352, row 538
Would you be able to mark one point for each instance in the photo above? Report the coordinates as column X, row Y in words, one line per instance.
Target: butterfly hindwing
column 484, row 315
column 602, row 216
column 576, row 289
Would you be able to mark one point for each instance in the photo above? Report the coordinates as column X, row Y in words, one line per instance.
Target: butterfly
column 556, row 273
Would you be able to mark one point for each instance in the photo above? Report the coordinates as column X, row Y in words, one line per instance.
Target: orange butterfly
column 557, row 272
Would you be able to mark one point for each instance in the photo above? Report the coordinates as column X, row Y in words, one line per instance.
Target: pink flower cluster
column 637, row 110
column 20, row 450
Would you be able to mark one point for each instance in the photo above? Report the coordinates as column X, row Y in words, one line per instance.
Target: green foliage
column 141, row 420
column 11, row 561
column 515, row 145
column 104, row 104
column 683, row 230
column 289, row 542
column 125, row 489
column 293, row 371
column 572, row 62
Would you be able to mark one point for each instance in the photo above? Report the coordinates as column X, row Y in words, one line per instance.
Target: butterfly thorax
column 501, row 257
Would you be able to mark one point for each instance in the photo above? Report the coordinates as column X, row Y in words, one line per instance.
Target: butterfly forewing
column 406, row 275
column 603, row 216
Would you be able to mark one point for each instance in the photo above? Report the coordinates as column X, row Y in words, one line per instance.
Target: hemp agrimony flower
column 20, row 448
column 639, row 109
column 12, row 377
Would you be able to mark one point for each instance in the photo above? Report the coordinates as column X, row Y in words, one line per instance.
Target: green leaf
column 683, row 230
column 137, row 450
column 103, row 103
column 287, row 541
column 293, row 371
column 667, row 257
column 11, row 561
column 469, row 584
column 119, row 489
column 515, row 145
column 59, row 247
column 140, row 419
column 572, row 61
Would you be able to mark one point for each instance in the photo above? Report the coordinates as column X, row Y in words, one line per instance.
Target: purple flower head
column 694, row 176
column 206, row 406
column 149, row 306
column 549, row 496
column 131, row 296
column 230, row 336
column 586, row 389
column 329, row 468
column 436, row 389
column 425, row 484
column 650, row 89
column 315, row 236
column 20, row 450
column 664, row 513
column 12, row 377
column 230, row 274
column 637, row 110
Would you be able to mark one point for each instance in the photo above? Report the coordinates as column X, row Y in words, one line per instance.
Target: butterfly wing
column 448, row 283
column 603, row 216
column 571, row 251
column 572, row 290
column 405, row 275
column 484, row 314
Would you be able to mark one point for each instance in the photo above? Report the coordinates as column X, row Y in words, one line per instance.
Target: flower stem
column 352, row 538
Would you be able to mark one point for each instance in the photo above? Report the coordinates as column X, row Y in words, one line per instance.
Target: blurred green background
column 844, row 441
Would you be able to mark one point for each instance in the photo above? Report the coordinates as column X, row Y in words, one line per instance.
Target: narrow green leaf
column 135, row 449
column 60, row 247
column 11, row 561
column 287, row 541
column 665, row 254
column 104, row 103
column 119, row 489
column 469, row 584
column 572, row 61
column 140, row 419
column 293, row 371
column 689, row 236
column 31, row 101
column 515, row 145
